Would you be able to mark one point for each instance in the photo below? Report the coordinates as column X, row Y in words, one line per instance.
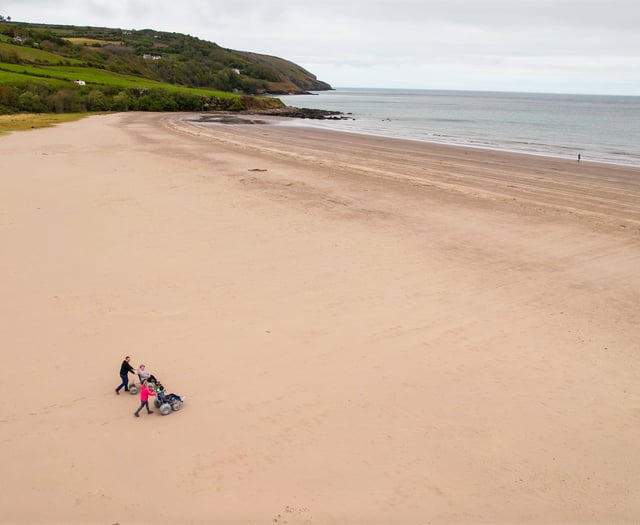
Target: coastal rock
column 307, row 113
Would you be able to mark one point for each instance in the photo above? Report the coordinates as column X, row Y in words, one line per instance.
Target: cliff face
column 166, row 57
column 287, row 76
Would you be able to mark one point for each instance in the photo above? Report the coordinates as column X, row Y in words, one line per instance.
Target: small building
column 147, row 56
column 80, row 82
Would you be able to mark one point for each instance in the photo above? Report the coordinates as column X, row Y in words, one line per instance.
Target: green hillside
column 49, row 68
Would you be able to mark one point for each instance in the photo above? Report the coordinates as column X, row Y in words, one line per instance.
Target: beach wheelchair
column 135, row 388
column 167, row 403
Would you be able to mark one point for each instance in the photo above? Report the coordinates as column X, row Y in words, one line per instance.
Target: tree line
column 39, row 97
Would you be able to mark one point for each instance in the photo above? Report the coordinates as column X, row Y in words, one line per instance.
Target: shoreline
column 310, row 123
column 540, row 124
column 470, row 145
column 450, row 168
column 497, row 149
column 364, row 330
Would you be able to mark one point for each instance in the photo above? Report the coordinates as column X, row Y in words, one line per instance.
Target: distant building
column 236, row 71
column 147, row 56
column 80, row 82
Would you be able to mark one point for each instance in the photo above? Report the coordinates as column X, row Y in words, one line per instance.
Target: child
column 145, row 392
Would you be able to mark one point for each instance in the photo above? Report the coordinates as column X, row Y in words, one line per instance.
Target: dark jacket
column 125, row 368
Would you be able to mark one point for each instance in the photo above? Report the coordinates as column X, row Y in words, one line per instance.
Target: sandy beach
column 366, row 330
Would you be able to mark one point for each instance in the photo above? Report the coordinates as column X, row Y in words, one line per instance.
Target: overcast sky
column 558, row 46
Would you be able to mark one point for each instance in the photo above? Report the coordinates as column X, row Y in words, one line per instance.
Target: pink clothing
column 145, row 392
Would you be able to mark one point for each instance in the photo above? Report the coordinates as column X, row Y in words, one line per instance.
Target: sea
column 598, row 128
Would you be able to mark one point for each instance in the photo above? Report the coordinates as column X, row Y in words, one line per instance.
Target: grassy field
column 10, row 77
column 56, row 74
column 30, row 54
column 27, row 121
column 90, row 41
column 89, row 75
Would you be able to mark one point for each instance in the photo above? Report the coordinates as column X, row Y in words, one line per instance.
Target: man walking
column 125, row 369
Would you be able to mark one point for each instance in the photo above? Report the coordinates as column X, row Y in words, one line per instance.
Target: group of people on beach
column 145, row 378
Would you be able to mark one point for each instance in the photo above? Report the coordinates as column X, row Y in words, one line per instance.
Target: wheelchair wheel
column 156, row 403
column 165, row 409
column 133, row 390
column 176, row 406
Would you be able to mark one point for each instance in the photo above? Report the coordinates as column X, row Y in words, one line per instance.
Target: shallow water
column 596, row 127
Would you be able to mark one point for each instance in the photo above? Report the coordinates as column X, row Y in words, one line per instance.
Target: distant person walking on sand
column 578, row 157
column 145, row 392
column 125, row 369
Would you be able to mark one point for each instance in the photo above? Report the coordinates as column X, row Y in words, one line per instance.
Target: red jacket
column 145, row 392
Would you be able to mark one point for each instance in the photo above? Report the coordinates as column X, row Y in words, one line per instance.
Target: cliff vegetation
column 54, row 68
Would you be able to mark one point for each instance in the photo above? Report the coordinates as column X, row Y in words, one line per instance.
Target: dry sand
column 366, row 330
